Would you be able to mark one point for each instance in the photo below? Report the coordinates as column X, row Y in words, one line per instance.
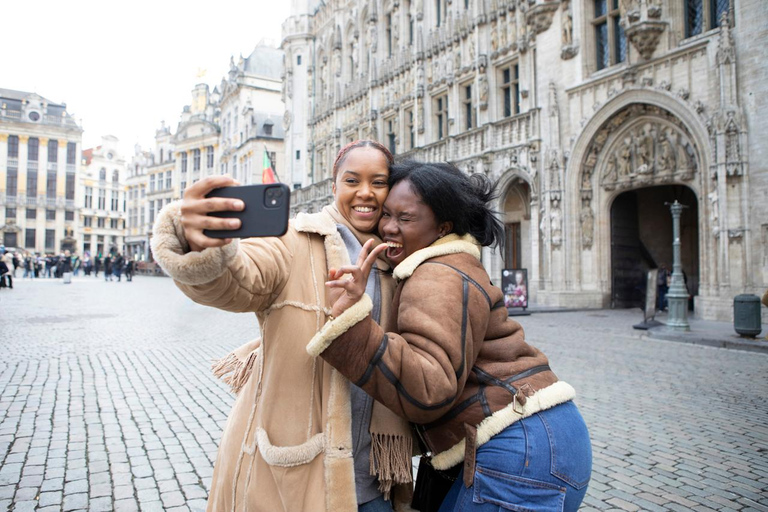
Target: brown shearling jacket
column 455, row 358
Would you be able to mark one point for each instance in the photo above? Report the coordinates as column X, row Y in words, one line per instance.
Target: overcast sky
column 122, row 67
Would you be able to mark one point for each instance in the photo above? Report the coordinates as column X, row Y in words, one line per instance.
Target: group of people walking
column 53, row 266
column 381, row 336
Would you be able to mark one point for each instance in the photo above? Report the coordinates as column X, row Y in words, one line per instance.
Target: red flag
column 267, row 175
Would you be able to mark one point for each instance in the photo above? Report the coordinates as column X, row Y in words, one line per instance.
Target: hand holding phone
column 195, row 207
column 266, row 212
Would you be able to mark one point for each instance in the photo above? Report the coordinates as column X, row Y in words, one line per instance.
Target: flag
column 268, row 174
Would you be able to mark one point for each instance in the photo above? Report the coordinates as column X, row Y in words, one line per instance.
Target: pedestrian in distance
column 97, row 265
column 16, row 262
column 28, row 267
column 117, row 266
column 7, row 258
column 486, row 404
column 5, row 275
column 129, row 267
column 315, row 442
column 662, row 285
column 108, row 267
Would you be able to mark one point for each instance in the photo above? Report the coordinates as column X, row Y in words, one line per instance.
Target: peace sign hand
column 352, row 288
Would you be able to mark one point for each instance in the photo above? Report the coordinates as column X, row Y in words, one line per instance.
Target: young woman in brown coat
column 299, row 437
column 486, row 402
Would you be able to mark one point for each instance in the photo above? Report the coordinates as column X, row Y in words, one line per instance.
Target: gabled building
column 252, row 117
column 102, row 207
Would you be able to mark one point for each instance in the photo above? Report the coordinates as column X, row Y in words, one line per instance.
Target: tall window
column 510, row 90
column 409, row 124
column 31, row 183
column 33, row 149
column 53, row 150
column 115, row 176
column 610, row 41
column 50, row 214
column 87, row 221
column 701, row 15
column 389, row 34
column 391, row 136
column 102, row 199
column 151, row 212
column 196, row 160
column 114, row 204
column 183, row 161
column 13, row 146
column 71, row 153
column 50, row 239
column 50, row 185
column 441, row 116
column 168, row 179
column 469, row 109
column 440, row 12
column 29, row 238
column 209, row 157
column 31, row 213
column 69, row 188
column 102, row 174
column 12, row 181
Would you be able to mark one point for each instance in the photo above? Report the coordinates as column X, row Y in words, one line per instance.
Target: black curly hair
column 454, row 197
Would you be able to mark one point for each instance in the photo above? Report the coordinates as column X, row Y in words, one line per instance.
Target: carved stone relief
column 569, row 49
column 587, row 219
column 556, row 223
column 648, row 146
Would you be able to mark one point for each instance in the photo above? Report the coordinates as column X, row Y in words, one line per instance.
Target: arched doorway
column 641, row 239
column 517, row 220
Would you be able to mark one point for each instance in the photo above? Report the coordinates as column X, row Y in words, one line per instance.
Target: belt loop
column 470, row 449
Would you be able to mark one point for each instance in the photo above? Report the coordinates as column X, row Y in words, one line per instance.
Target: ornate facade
column 590, row 115
column 40, row 145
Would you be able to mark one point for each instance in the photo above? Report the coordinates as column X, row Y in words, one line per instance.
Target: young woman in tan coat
column 299, row 437
column 488, row 406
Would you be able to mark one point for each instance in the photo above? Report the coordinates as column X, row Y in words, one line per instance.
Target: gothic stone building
column 590, row 115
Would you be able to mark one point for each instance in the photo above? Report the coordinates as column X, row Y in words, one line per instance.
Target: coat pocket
column 516, row 493
column 288, row 456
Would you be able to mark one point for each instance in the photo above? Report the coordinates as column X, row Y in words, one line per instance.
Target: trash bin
column 746, row 315
column 68, row 279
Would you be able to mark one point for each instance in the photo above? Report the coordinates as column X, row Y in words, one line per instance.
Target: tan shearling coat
column 455, row 357
column 287, row 444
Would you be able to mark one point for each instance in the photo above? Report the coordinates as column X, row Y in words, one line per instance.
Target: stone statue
column 494, row 38
column 645, row 151
column 483, row 87
column 556, row 223
column 543, row 225
column 471, row 49
column 567, row 25
column 625, row 159
column 503, row 38
column 587, row 225
column 610, row 172
column 683, row 160
column 666, row 160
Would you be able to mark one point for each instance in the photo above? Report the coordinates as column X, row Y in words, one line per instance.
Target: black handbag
column 432, row 485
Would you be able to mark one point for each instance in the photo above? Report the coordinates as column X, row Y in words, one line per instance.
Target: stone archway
column 516, row 215
column 640, row 146
column 641, row 239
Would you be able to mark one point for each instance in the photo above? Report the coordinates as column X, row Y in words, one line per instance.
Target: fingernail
column 234, row 223
column 239, row 205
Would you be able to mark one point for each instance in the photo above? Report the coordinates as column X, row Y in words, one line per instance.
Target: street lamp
column 677, row 296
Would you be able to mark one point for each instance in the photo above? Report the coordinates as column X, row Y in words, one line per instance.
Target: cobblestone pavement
column 107, row 403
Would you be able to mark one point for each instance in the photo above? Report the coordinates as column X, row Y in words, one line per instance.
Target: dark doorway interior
column 641, row 239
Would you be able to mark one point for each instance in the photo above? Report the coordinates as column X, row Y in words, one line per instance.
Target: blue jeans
column 541, row 463
column 377, row 505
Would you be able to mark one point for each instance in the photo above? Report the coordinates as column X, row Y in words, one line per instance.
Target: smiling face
column 361, row 187
column 408, row 224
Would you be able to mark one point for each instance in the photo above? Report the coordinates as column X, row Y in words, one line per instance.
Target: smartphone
column 265, row 214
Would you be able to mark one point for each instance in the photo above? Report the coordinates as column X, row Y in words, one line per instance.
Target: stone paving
column 107, row 403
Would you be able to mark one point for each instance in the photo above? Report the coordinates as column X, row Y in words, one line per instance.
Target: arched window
column 102, row 174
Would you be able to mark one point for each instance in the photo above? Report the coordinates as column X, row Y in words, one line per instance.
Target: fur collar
column 320, row 223
column 451, row 244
